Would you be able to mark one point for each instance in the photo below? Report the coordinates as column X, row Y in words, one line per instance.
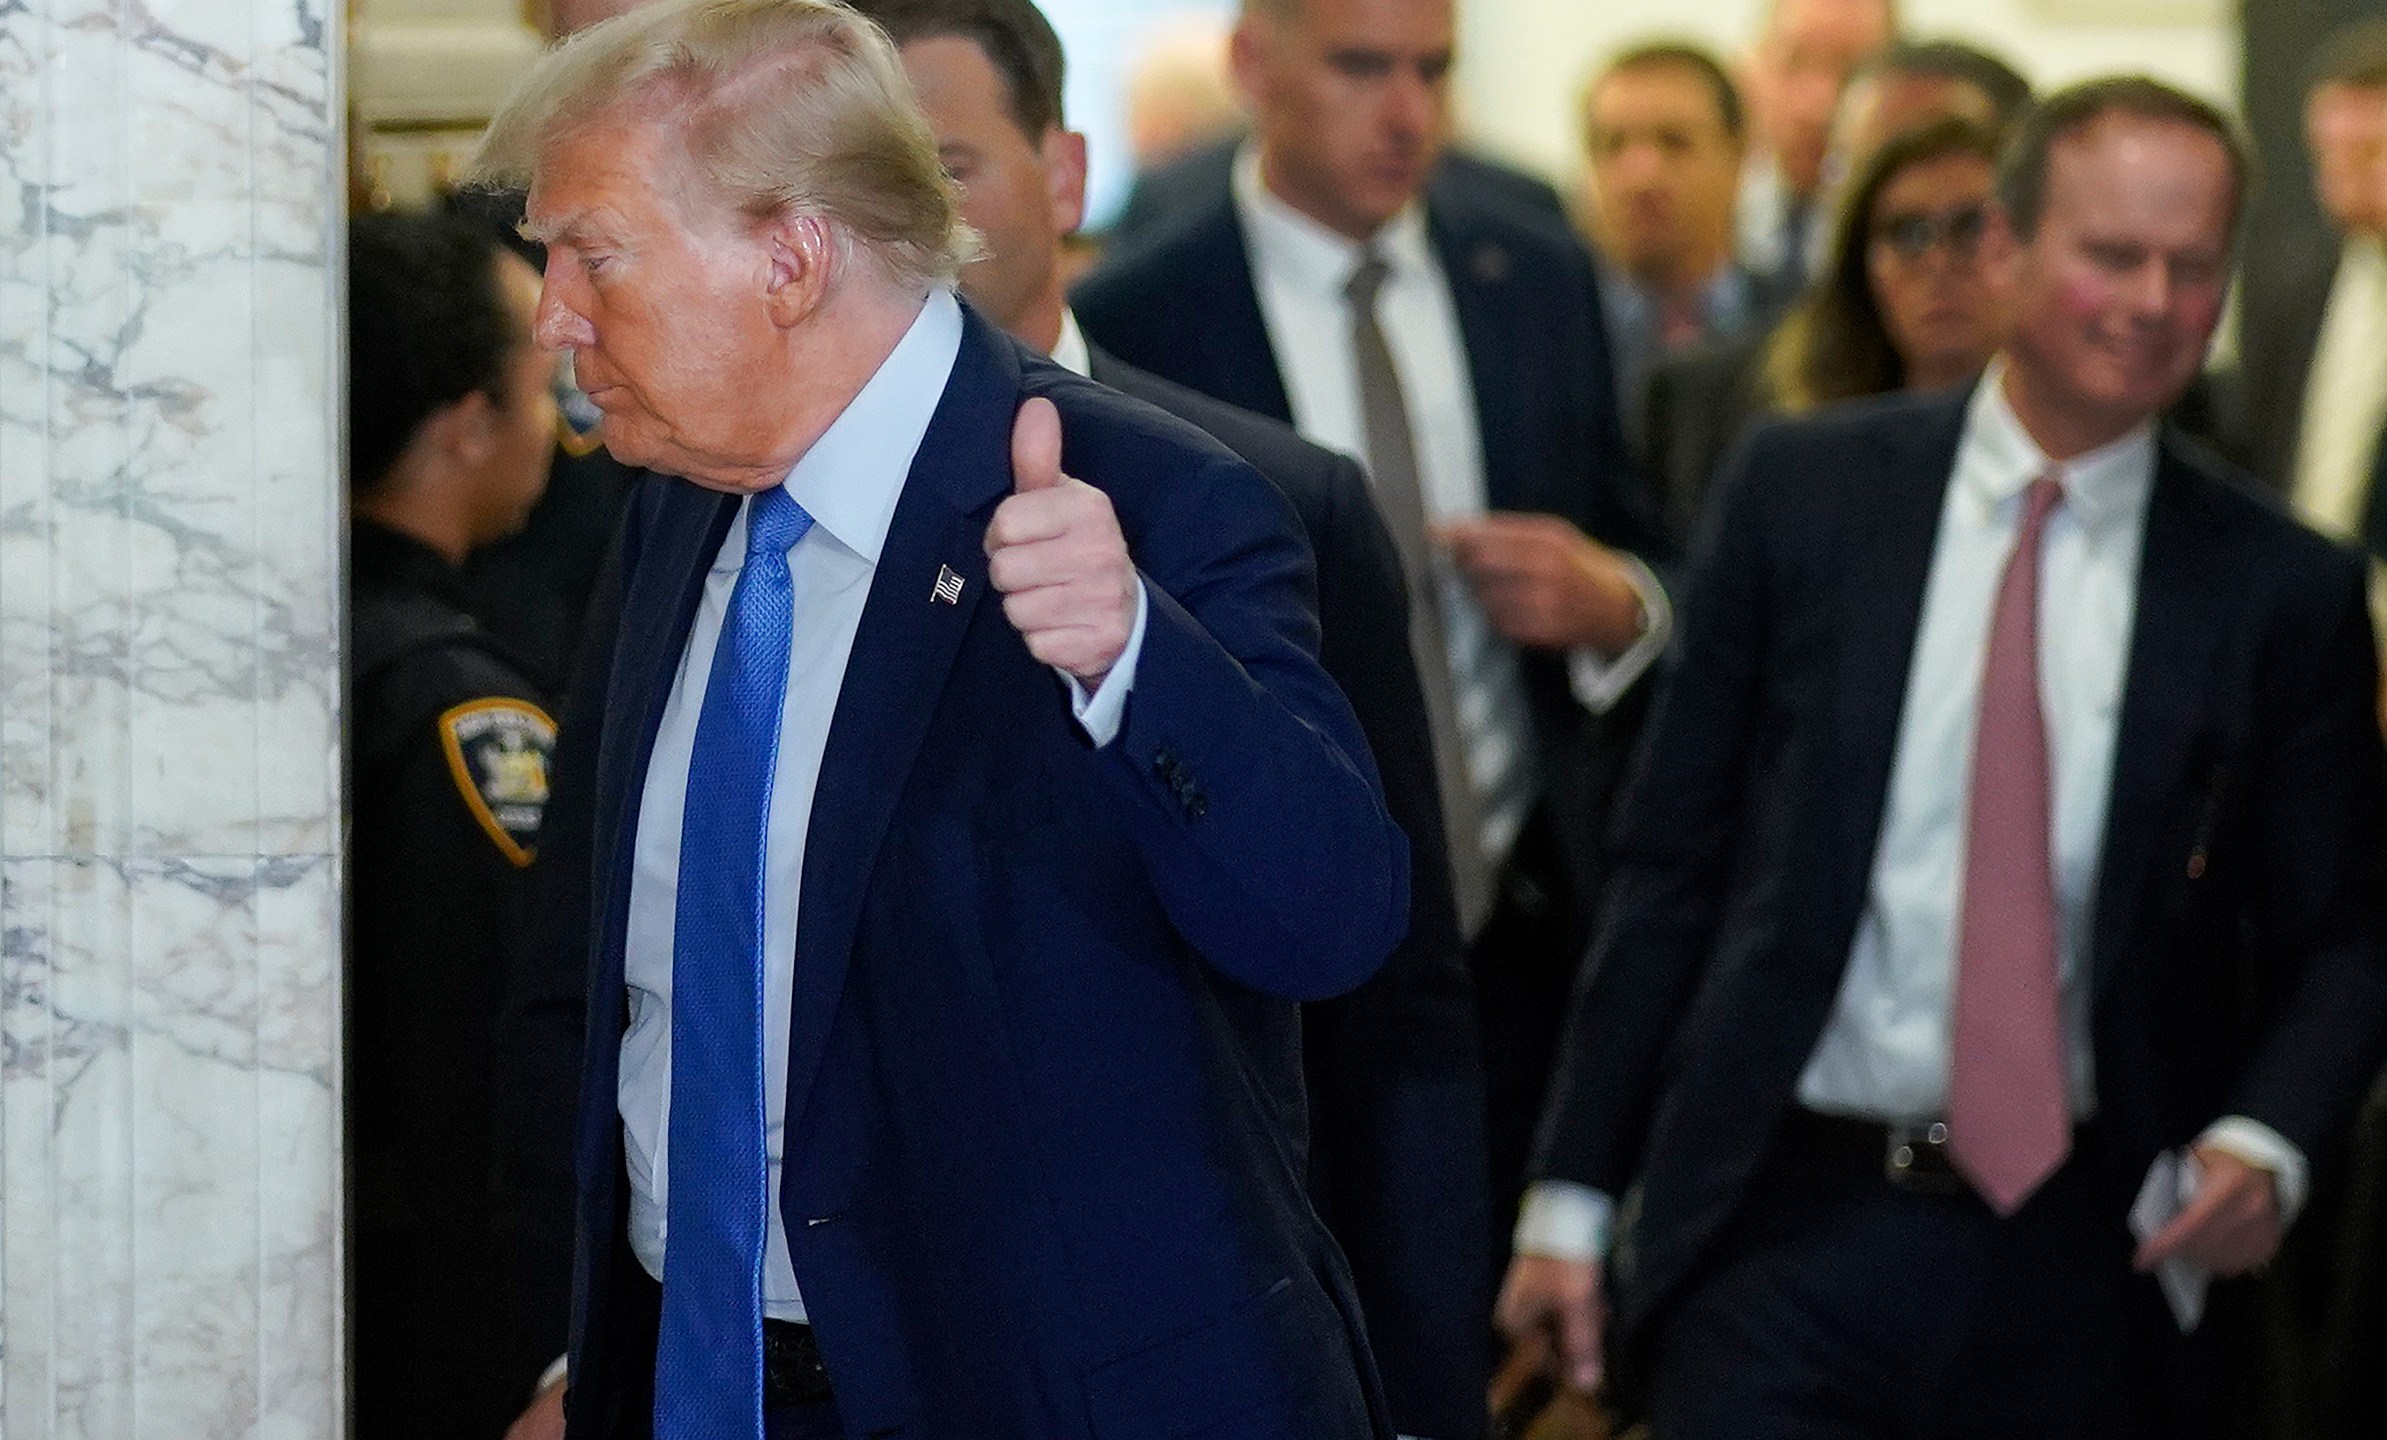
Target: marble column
column 170, row 1159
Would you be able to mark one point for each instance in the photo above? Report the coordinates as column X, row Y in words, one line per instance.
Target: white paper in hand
column 2171, row 1182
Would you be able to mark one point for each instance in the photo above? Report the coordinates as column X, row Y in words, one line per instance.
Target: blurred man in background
column 1665, row 135
column 1793, row 80
column 2313, row 321
column 1340, row 279
column 1910, row 84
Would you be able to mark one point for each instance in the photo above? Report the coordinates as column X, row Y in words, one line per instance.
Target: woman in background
column 1905, row 303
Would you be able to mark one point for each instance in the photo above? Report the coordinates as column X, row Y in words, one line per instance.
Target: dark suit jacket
column 1183, row 306
column 1187, row 183
column 1695, row 408
column 1395, row 1079
column 2239, row 960
column 2279, row 328
column 1044, row 1102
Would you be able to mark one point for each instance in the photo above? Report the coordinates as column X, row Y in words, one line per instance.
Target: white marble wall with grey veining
column 169, row 709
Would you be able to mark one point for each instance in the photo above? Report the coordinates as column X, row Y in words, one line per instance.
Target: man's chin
column 626, row 445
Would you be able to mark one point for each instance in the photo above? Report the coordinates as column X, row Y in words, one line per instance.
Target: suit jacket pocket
column 1246, row 1360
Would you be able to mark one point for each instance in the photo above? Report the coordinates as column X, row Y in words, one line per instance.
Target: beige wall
column 1523, row 60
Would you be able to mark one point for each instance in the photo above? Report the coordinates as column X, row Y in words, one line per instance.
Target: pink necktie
column 2009, row 1121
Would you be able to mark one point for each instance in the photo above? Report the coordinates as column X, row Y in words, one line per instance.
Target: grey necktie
column 1392, row 459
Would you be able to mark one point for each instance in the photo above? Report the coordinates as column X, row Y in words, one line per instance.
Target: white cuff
column 1599, row 682
column 1100, row 713
column 1561, row 1220
column 553, row 1373
column 2265, row 1149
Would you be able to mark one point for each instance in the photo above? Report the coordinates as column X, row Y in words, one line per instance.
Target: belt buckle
column 1915, row 1159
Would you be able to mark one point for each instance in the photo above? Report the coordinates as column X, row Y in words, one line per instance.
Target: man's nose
column 1413, row 106
column 2151, row 288
column 557, row 325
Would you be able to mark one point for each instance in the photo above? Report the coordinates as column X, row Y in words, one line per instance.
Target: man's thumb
column 1036, row 446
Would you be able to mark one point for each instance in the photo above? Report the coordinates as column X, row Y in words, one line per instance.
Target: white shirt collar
column 1071, row 352
column 2001, row 459
column 852, row 476
column 1286, row 243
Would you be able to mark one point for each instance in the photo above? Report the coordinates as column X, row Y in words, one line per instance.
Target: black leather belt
column 792, row 1370
column 1911, row 1157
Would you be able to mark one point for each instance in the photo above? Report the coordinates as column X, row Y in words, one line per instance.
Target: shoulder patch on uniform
column 576, row 426
column 498, row 751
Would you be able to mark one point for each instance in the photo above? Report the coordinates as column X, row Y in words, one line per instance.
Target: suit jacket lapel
column 675, row 554
column 1892, row 513
column 2182, row 620
column 1253, row 379
column 1481, row 272
column 901, row 655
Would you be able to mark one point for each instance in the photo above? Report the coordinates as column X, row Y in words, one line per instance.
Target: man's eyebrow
column 571, row 230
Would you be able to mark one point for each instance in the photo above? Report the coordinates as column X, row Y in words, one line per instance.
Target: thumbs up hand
column 1056, row 554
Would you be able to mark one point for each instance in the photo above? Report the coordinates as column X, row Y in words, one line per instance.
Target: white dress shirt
column 1300, row 269
column 2345, row 398
column 1884, row 1054
column 1071, row 352
column 1762, row 218
column 849, row 482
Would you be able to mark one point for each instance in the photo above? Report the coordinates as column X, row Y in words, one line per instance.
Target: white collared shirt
column 849, row 481
column 1884, row 1054
column 1071, row 352
column 1300, row 270
column 2345, row 396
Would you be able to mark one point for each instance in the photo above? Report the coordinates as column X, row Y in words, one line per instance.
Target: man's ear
column 1065, row 178
column 464, row 430
column 801, row 264
column 1247, row 53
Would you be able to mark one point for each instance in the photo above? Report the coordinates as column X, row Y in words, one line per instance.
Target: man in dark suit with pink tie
column 1997, row 939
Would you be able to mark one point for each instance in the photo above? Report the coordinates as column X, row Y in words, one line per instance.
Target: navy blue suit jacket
column 2239, row 957
column 1044, row 1103
column 1181, row 303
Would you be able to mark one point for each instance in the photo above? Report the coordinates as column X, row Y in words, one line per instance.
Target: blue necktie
column 709, row 1356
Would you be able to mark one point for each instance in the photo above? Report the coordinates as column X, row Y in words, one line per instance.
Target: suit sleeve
column 1244, row 777
column 1674, row 843
column 2319, row 845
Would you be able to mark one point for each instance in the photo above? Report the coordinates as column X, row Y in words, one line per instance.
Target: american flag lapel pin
column 949, row 584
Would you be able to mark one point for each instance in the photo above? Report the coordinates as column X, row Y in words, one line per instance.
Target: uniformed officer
column 452, row 426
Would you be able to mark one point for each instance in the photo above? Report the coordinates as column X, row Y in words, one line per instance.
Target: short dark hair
column 2022, row 170
column 427, row 325
column 1682, row 55
column 2008, row 93
column 2355, row 55
column 1013, row 35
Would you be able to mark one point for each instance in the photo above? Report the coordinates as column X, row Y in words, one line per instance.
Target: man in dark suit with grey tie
column 1997, row 939
column 1335, row 280
column 1395, row 1083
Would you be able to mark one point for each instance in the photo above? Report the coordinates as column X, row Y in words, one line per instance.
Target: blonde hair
column 783, row 107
